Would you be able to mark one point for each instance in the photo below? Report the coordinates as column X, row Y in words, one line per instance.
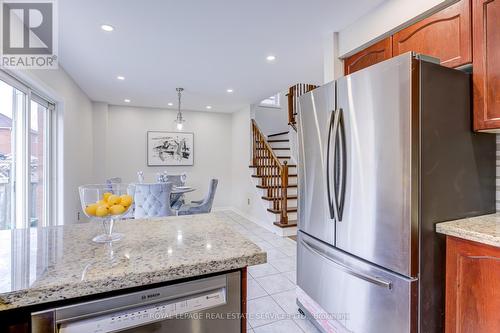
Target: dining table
column 177, row 195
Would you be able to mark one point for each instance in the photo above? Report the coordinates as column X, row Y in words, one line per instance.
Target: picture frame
column 167, row 148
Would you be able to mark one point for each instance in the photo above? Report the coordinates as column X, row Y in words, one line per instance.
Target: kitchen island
column 56, row 267
column 472, row 273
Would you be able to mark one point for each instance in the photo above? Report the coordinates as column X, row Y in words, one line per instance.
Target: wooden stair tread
column 290, row 197
column 278, row 140
column 263, row 158
column 276, row 134
column 274, row 176
column 262, row 166
column 278, row 211
column 291, row 223
column 265, row 187
column 279, row 148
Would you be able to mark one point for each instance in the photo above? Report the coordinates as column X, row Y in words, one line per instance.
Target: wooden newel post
column 254, row 146
column 284, row 194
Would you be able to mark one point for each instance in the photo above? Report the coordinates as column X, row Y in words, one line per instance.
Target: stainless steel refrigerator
column 384, row 154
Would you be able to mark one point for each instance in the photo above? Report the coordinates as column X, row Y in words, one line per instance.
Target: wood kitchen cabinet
column 376, row 53
column 446, row 35
column 486, row 64
column 472, row 287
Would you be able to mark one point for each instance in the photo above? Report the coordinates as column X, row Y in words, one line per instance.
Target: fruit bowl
column 105, row 203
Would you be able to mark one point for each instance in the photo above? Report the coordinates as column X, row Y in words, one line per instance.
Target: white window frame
column 23, row 156
column 272, row 106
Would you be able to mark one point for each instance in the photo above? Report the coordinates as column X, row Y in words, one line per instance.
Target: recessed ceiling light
column 270, row 58
column 208, row 107
column 170, row 104
column 126, row 100
column 107, row 27
column 230, row 90
column 121, row 78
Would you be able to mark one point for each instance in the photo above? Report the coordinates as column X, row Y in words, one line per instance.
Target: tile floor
column 271, row 286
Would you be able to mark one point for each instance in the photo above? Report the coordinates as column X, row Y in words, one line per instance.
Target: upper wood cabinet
column 445, row 35
column 486, row 65
column 472, row 293
column 376, row 53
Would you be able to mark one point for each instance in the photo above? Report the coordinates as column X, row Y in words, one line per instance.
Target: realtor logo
column 28, row 34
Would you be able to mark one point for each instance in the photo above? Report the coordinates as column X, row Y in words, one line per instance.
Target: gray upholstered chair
column 201, row 206
column 152, row 200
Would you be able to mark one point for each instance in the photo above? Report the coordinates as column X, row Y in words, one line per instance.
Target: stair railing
column 293, row 101
column 273, row 173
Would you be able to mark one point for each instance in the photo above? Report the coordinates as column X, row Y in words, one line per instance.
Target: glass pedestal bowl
column 106, row 203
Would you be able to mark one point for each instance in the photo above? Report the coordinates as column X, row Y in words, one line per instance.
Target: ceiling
column 205, row 46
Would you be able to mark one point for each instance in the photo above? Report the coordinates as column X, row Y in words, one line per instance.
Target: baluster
column 284, row 193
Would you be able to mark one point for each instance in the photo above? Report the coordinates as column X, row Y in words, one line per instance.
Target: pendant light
column 179, row 121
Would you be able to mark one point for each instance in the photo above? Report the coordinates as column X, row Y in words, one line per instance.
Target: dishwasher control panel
column 146, row 314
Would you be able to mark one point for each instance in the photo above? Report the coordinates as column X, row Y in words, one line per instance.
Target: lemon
column 102, row 211
column 106, row 195
column 102, row 203
column 113, row 200
column 91, row 209
column 126, row 200
column 116, row 209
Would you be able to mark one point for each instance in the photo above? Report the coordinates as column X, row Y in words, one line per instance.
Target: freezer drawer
column 367, row 298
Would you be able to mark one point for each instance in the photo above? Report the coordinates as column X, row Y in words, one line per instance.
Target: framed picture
column 170, row 148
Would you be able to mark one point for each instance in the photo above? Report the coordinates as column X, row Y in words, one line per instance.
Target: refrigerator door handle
column 342, row 167
column 335, row 130
column 374, row 280
column 328, row 182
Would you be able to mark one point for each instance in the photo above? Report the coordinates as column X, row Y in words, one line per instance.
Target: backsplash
column 498, row 174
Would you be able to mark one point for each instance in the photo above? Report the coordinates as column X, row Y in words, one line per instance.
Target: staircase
column 273, row 169
column 276, row 176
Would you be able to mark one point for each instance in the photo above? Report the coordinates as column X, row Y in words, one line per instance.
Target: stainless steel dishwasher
column 208, row 305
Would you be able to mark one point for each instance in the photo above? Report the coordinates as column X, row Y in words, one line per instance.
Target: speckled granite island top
column 482, row 229
column 50, row 264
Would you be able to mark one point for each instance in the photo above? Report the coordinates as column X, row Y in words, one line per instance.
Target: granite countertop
column 41, row 265
column 482, row 229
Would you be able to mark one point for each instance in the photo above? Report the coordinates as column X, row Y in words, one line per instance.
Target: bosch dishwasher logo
column 149, row 296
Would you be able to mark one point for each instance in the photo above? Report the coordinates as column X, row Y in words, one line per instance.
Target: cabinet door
column 445, row 35
column 472, row 293
column 371, row 55
column 486, row 65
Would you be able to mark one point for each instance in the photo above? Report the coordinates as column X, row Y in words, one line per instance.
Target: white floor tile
column 264, row 245
column 262, row 270
column 254, row 290
column 287, row 301
column 287, row 264
column 292, row 276
column 263, row 310
column 283, row 242
column 273, row 284
column 275, row 253
column 289, row 250
column 282, row 326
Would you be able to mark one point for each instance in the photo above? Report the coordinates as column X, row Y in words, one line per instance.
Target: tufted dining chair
column 201, row 206
column 152, row 200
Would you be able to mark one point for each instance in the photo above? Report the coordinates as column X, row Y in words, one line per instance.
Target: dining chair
column 153, row 200
column 201, row 206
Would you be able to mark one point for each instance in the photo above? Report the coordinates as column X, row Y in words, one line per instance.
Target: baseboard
column 271, row 227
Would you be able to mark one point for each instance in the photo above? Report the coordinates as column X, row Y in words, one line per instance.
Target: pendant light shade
column 179, row 120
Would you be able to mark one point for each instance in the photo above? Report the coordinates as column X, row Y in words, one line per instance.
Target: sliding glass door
column 26, row 161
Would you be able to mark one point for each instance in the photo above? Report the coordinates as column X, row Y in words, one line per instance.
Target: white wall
column 389, row 17
column 243, row 188
column 272, row 120
column 124, row 147
column 75, row 146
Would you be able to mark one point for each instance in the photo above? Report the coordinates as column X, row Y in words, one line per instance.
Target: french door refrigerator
column 384, row 154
